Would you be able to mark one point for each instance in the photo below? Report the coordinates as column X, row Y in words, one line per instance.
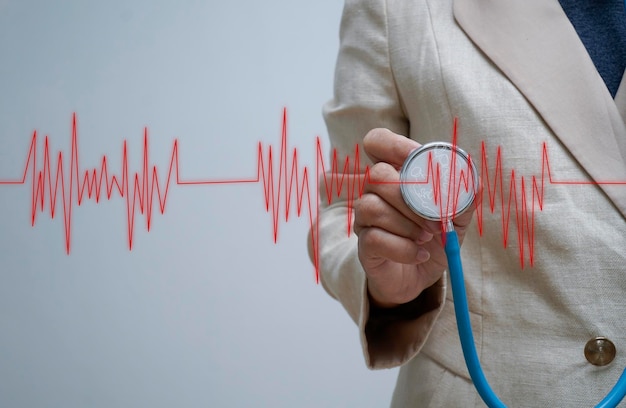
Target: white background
column 205, row 310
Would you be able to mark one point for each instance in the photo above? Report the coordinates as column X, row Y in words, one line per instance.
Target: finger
column 462, row 221
column 377, row 245
column 384, row 181
column 372, row 211
column 382, row 145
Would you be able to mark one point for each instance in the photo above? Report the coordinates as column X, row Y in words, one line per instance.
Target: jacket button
column 600, row 351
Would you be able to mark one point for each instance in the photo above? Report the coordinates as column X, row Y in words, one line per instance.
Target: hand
column 402, row 253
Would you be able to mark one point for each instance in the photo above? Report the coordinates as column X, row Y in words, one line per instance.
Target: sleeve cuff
column 391, row 337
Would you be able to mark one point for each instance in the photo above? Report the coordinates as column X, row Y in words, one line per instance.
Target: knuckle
column 369, row 240
column 370, row 210
column 380, row 172
column 366, row 203
column 359, row 208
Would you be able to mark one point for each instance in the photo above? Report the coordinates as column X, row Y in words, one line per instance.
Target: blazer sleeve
column 365, row 97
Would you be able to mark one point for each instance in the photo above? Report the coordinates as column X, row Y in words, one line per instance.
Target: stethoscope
column 438, row 181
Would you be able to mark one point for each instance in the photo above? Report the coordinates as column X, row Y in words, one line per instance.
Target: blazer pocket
column 424, row 383
column 453, row 389
column 444, row 345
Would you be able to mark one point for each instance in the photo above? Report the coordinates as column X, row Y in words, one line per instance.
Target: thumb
column 382, row 145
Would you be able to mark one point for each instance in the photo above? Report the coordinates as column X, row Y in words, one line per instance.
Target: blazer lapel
column 620, row 98
column 534, row 44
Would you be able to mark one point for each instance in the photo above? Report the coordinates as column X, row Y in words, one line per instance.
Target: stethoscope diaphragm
column 438, row 181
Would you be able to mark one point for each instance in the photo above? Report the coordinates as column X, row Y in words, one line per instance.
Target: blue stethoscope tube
column 461, row 310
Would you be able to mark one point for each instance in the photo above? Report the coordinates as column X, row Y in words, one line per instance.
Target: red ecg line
column 142, row 190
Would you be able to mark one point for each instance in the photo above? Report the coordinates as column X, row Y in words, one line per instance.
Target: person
column 543, row 248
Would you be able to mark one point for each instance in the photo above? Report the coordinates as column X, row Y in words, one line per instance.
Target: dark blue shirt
column 601, row 26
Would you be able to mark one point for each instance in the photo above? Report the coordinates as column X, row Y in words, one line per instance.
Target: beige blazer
column 518, row 78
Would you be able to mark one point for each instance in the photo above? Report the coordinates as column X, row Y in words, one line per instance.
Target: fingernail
column 422, row 255
column 424, row 237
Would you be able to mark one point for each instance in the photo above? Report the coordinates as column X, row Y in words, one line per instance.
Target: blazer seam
column 390, row 65
column 436, row 43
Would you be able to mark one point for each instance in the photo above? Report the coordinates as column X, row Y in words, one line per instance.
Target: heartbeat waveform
column 142, row 189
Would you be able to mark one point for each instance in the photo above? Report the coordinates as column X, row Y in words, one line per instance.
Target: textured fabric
column 601, row 26
column 519, row 80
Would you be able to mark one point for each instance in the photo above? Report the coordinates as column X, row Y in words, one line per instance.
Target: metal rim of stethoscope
column 412, row 189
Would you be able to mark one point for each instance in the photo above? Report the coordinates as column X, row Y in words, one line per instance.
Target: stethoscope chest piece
column 438, row 181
